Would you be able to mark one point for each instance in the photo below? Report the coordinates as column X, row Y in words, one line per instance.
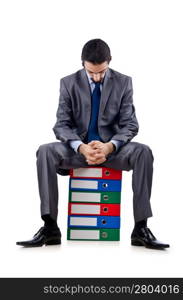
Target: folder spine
column 93, row 221
column 94, row 197
column 93, row 234
column 96, row 172
column 95, row 185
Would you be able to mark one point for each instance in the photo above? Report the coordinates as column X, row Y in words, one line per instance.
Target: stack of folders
column 94, row 204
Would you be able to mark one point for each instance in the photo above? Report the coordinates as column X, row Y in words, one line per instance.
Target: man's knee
column 56, row 149
column 146, row 150
column 44, row 148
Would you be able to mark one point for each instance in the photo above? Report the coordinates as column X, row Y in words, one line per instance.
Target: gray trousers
column 134, row 156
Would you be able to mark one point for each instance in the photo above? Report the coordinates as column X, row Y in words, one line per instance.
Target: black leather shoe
column 63, row 172
column 144, row 237
column 44, row 236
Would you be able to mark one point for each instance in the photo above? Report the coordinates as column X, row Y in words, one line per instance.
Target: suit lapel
column 106, row 90
column 85, row 92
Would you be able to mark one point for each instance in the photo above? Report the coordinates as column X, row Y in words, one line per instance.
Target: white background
column 41, row 42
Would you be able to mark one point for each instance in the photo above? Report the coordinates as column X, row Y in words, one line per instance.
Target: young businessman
column 96, row 122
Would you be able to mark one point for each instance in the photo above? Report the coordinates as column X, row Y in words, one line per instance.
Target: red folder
column 96, row 172
column 94, row 209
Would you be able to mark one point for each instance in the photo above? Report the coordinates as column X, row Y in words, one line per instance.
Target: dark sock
column 49, row 222
column 140, row 224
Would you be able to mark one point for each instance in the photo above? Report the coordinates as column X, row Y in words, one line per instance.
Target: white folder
column 88, row 172
column 82, row 221
column 85, row 209
column 84, row 234
column 84, row 184
column 85, row 197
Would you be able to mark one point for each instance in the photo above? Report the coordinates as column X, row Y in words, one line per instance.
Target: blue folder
column 93, row 221
column 98, row 185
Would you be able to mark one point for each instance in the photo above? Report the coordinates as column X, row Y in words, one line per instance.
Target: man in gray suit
column 96, row 122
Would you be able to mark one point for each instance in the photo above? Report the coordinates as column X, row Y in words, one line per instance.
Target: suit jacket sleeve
column 127, row 122
column 65, row 128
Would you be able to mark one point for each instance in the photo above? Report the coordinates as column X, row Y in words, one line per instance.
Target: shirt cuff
column 75, row 144
column 117, row 144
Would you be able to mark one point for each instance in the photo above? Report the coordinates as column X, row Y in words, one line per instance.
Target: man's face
column 96, row 72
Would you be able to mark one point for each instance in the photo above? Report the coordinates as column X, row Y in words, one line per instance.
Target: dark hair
column 96, row 51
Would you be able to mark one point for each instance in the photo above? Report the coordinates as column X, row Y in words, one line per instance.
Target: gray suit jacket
column 116, row 120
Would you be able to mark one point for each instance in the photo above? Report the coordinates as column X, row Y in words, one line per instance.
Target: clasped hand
column 96, row 152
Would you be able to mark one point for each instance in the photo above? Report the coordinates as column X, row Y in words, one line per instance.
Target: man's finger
column 92, row 158
column 95, row 160
column 97, row 151
column 94, row 143
column 96, row 163
column 97, row 154
column 94, row 152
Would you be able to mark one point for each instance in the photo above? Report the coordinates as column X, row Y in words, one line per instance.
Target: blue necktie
column 95, row 103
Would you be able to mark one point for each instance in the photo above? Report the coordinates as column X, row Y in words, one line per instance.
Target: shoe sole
column 140, row 243
column 136, row 243
column 51, row 242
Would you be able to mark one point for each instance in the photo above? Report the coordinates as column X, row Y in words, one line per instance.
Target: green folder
column 94, row 197
column 83, row 234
